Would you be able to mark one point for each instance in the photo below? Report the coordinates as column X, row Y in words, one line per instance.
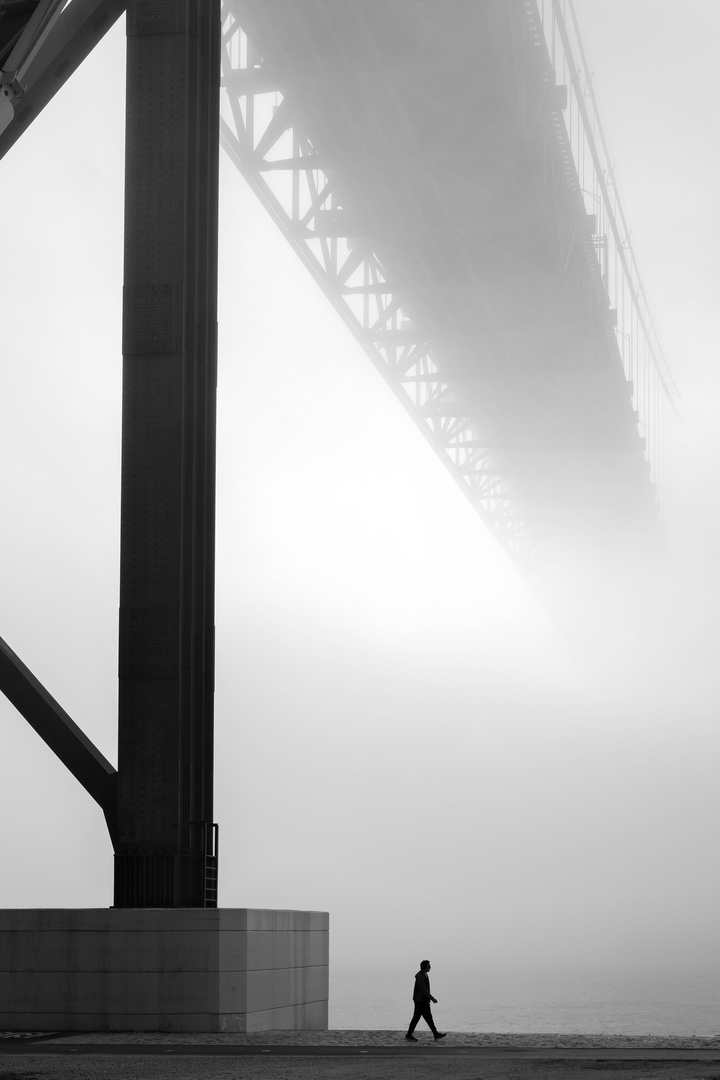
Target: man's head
column 424, row 965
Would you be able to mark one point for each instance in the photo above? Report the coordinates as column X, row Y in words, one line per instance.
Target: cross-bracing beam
column 59, row 732
column 79, row 28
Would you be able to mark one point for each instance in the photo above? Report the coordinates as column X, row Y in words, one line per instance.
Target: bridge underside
column 437, row 134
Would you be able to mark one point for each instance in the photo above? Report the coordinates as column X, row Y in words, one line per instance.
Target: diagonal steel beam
column 61, row 734
column 78, row 30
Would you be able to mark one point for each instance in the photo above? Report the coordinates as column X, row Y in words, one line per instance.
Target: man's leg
column 415, row 1018
column 428, row 1017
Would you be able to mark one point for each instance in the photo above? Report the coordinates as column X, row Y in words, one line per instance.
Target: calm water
column 619, row 1004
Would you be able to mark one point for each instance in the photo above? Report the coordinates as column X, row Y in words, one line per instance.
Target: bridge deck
column 442, row 128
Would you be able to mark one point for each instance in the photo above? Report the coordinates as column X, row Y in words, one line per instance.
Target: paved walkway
column 353, row 1055
column 327, row 1040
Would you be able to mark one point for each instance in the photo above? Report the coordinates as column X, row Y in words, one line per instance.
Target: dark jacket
column 421, row 991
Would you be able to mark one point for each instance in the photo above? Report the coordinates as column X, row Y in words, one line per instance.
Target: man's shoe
column 411, row 1038
column 440, row 1035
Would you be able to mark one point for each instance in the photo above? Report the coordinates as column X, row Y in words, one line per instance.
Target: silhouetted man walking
column 422, row 998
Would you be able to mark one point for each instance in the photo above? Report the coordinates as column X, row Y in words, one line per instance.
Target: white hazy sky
column 404, row 737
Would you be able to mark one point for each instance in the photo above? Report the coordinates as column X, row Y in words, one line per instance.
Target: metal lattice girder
column 262, row 135
column 418, row 163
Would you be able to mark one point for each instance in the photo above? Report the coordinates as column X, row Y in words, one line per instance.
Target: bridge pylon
column 164, row 850
column 164, row 957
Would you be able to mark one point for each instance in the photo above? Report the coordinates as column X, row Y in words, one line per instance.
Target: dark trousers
column 422, row 1009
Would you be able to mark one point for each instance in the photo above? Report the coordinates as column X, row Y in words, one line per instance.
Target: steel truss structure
column 417, row 156
column 277, row 157
column 304, row 185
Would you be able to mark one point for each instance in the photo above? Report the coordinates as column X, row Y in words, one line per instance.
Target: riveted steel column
column 165, row 759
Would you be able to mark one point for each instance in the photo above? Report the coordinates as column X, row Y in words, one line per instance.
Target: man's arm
column 422, row 984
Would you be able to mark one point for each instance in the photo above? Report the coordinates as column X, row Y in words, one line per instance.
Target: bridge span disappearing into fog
column 442, row 171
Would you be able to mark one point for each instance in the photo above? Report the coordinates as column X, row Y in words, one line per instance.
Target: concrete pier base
column 163, row 969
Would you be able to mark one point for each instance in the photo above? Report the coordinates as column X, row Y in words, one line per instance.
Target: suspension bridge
column 441, row 169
